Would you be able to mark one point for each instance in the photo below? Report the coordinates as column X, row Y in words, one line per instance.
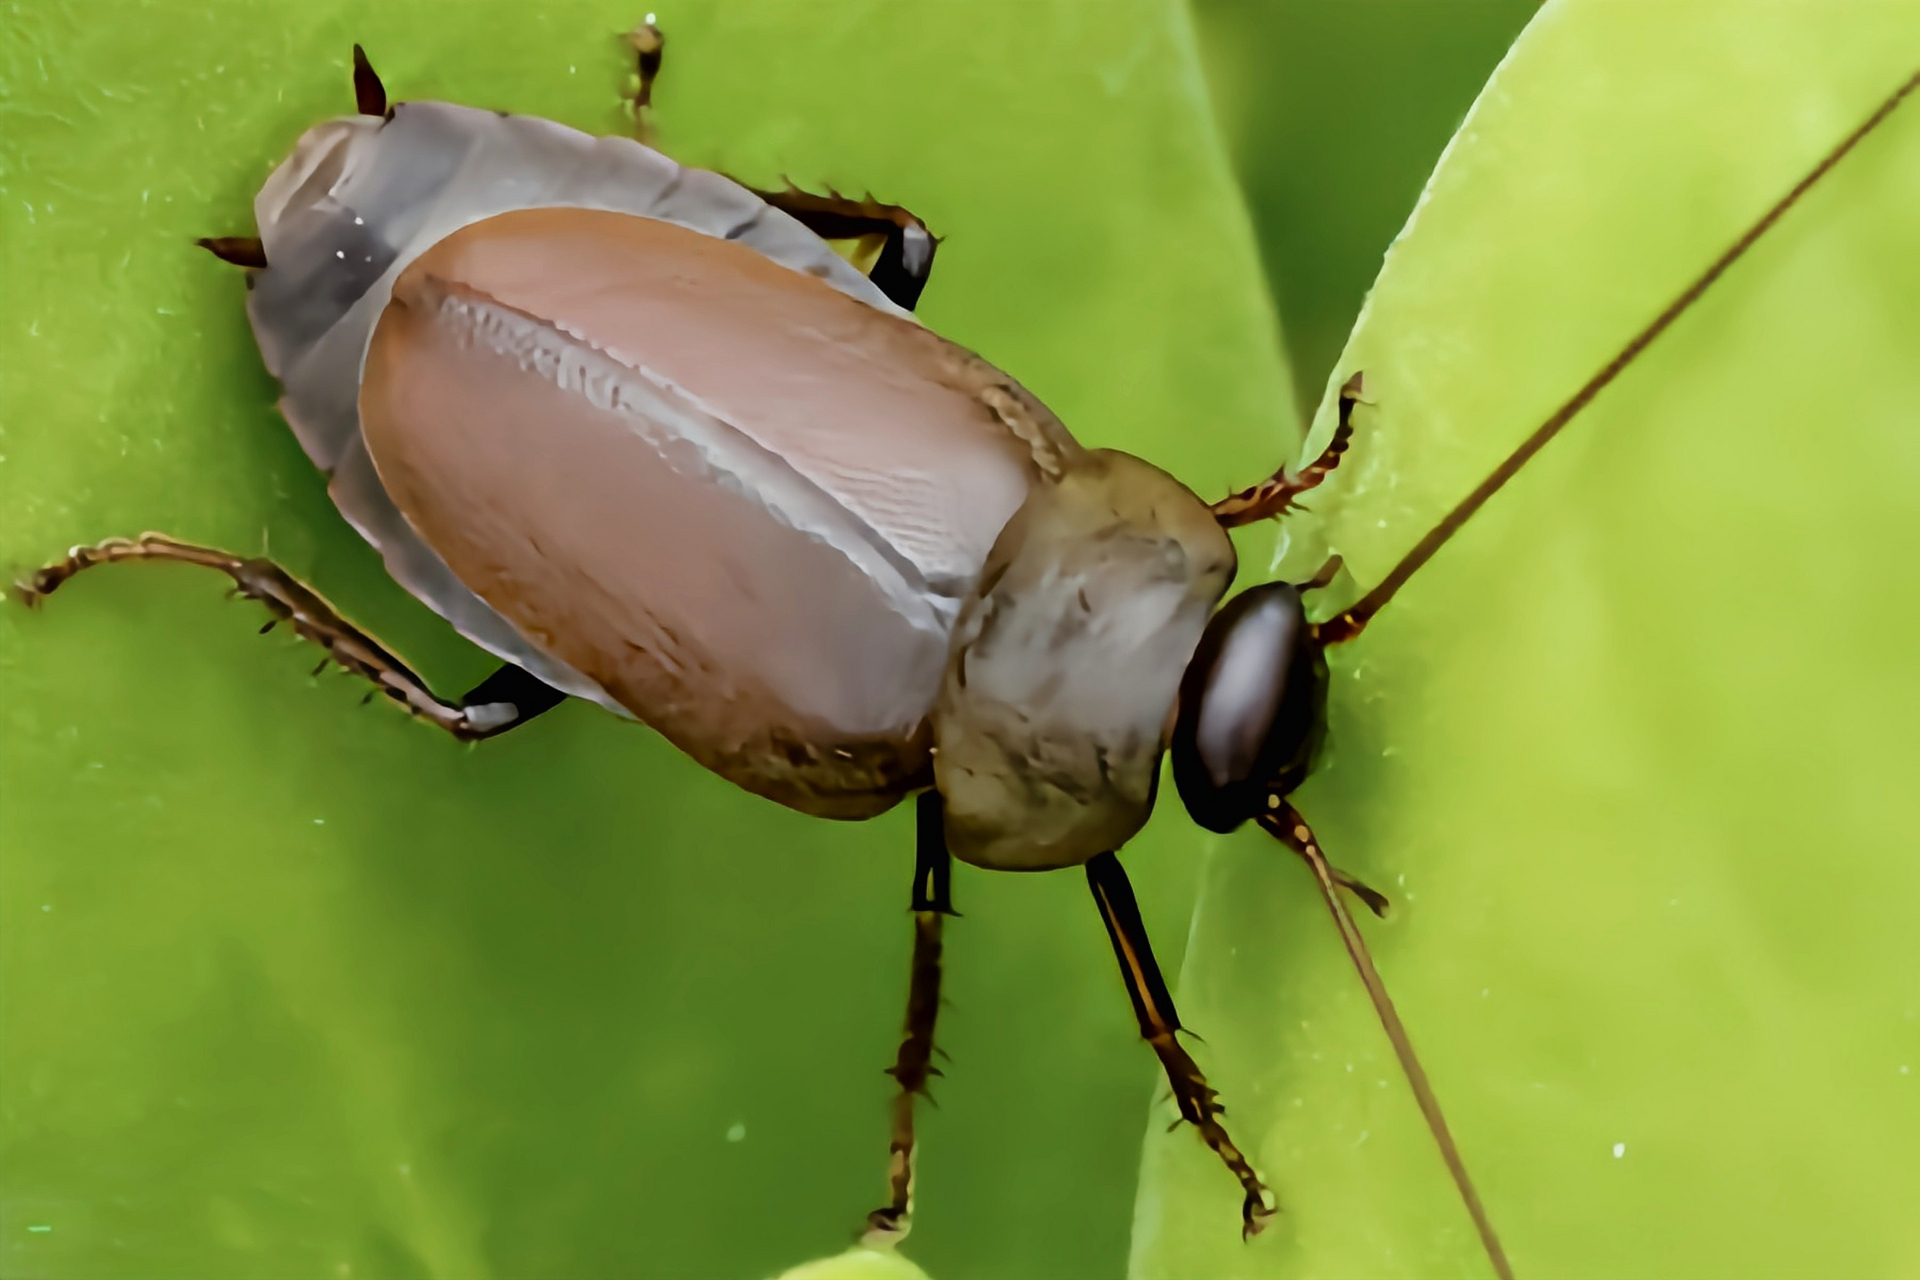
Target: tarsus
column 1347, row 625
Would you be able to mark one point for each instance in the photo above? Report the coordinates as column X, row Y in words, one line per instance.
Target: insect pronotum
column 835, row 558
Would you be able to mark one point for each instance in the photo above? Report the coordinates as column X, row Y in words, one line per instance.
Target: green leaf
column 857, row 1264
column 1635, row 752
column 1333, row 114
column 293, row 988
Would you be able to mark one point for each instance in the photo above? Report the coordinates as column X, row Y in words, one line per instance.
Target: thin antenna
column 1286, row 823
column 1347, row 625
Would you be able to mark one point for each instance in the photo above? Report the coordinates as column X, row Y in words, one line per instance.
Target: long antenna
column 1347, row 625
column 1285, row 823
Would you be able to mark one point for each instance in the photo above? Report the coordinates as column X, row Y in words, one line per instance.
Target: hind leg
column 495, row 706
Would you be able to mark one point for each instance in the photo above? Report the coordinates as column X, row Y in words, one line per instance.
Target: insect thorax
column 1066, row 662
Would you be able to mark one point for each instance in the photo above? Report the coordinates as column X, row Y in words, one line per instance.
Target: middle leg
column 905, row 247
column 649, row 47
column 913, row 1067
column 896, row 247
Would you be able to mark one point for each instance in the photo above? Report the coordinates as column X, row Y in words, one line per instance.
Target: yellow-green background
column 293, row 988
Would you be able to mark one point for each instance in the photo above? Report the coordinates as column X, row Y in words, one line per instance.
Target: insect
column 969, row 606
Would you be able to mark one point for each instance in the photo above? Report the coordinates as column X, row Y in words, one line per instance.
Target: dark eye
column 1252, row 706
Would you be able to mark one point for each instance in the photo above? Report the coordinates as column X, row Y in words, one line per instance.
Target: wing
column 708, row 481
column 744, row 504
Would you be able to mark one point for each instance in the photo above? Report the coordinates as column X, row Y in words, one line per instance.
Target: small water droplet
column 1619, row 1150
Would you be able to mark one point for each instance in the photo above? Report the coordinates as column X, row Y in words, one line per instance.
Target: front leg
column 510, row 697
column 1275, row 496
column 1153, row 1005
column 913, row 1067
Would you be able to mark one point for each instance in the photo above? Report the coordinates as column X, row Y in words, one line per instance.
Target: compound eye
column 1252, row 707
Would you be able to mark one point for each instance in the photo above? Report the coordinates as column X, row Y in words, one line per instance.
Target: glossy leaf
column 857, row 1264
column 293, row 988
column 1635, row 752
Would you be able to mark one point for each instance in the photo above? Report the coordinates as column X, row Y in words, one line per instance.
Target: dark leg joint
column 906, row 246
column 240, row 251
column 516, row 688
column 933, row 866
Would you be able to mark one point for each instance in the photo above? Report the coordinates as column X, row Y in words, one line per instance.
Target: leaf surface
column 293, row 988
column 1634, row 753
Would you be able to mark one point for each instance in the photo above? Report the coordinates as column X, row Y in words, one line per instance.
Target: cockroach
column 640, row 432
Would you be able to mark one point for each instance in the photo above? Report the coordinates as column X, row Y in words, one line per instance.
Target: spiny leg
column 485, row 713
column 906, row 247
column 913, row 1067
column 902, row 256
column 1275, row 495
column 1284, row 822
column 1153, row 1005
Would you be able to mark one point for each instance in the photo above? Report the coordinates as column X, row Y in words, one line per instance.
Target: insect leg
column 649, row 47
column 1153, row 1006
column 292, row 601
column 239, row 251
column 906, row 247
column 1284, row 822
column 517, row 687
column 1275, row 495
column 932, row 903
